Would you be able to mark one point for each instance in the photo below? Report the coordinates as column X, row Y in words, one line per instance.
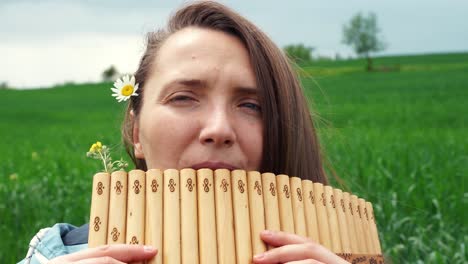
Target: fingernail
column 267, row 233
column 259, row 256
column 148, row 248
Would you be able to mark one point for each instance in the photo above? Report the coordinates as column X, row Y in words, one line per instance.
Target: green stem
column 120, row 164
column 104, row 160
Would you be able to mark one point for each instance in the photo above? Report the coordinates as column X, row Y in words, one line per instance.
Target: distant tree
column 362, row 34
column 110, row 73
column 299, row 52
column 3, row 85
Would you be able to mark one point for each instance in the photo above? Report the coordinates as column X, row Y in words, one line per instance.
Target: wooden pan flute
column 207, row 216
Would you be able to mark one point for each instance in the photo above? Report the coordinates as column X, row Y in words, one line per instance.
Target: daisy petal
column 127, row 82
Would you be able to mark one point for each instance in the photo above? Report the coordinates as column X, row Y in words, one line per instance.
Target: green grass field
column 398, row 139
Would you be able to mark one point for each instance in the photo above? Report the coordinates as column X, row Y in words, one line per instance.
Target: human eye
column 251, row 106
column 180, row 98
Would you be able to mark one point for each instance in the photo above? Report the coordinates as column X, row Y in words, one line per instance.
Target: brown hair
column 290, row 142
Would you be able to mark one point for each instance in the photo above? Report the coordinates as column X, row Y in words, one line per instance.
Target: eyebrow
column 197, row 83
column 246, row 90
column 188, row 82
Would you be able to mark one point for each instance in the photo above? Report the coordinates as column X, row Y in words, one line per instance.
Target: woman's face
column 201, row 105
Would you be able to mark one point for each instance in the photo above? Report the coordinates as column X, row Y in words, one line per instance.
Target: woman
column 217, row 93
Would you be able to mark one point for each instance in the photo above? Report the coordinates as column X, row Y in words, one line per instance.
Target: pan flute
column 207, row 216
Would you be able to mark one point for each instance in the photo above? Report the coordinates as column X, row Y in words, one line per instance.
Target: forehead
column 197, row 46
column 188, row 40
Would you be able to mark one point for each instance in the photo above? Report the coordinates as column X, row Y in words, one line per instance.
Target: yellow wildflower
column 102, row 152
column 13, row 177
column 96, row 147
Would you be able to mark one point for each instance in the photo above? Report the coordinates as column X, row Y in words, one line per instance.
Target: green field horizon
column 396, row 137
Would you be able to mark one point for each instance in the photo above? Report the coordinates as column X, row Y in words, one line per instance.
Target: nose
column 217, row 129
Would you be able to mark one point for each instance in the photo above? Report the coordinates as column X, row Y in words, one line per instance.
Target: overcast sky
column 49, row 42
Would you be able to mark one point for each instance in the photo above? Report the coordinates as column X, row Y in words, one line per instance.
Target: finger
column 278, row 238
column 296, row 252
column 122, row 252
column 101, row 260
column 305, row 261
column 284, row 254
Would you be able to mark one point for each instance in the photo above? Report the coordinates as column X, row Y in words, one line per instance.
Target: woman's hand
column 294, row 249
column 109, row 254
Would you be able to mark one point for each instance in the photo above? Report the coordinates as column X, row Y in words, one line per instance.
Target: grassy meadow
column 396, row 138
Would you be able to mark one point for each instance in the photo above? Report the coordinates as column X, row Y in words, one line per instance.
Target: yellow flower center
column 127, row 90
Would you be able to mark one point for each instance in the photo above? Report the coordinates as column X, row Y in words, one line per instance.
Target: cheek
column 252, row 139
column 164, row 139
column 156, row 127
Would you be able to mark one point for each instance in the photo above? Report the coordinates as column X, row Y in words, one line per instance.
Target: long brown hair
column 290, row 142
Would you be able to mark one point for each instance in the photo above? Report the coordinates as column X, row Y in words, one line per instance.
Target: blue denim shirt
column 61, row 239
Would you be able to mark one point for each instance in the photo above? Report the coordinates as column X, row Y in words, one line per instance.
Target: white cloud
column 50, row 42
column 44, row 19
column 78, row 58
column 44, row 42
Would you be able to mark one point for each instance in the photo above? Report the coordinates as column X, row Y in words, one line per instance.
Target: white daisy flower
column 124, row 88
